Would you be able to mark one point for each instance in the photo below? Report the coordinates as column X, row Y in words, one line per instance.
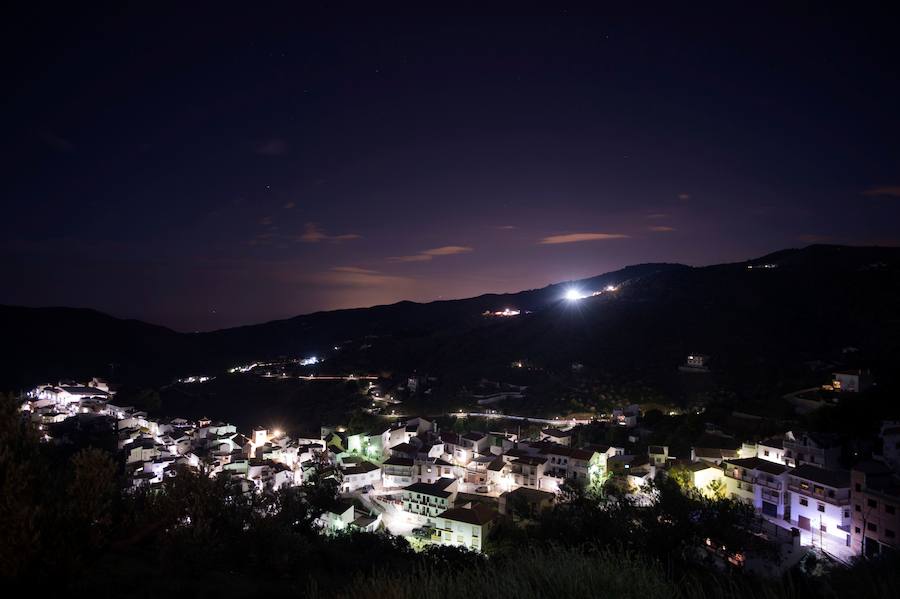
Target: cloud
column 684, row 196
column 271, row 147
column 355, row 276
column 578, row 237
column 661, row 229
column 448, row 250
column 658, row 215
column 412, row 258
column 289, row 205
column 425, row 256
column 884, row 191
column 507, row 227
column 313, row 234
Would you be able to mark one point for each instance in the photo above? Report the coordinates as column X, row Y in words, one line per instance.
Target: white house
column 466, row 525
column 817, row 449
column 771, row 450
column 336, row 519
column 432, row 469
column 569, row 463
column 425, row 501
column 820, row 501
column 759, row 482
column 397, row 471
column 555, row 435
column 360, row 475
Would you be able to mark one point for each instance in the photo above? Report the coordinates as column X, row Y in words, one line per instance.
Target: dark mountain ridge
column 812, row 301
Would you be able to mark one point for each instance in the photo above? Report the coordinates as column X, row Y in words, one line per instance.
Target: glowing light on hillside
column 573, row 295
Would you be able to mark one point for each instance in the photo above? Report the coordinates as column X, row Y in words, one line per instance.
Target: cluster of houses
column 153, row 448
column 450, row 488
column 454, row 486
column 796, row 480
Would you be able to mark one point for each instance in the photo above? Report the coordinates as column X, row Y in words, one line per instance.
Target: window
column 871, row 527
column 803, row 501
column 889, row 533
column 890, row 509
column 831, row 493
column 846, row 513
column 857, row 507
column 872, row 503
column 858, row 487
column 821, row 507
column 857, row 530
column 766, row 453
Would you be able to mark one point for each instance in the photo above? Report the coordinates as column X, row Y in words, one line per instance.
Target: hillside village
column 440, row 487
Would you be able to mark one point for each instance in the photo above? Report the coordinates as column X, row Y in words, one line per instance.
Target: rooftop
column 759, row 464
column 837, row 479
column 478, row 514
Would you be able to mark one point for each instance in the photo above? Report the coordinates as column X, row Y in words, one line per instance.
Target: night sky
column 206, row 168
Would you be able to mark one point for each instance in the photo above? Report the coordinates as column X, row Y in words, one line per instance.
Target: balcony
column 819, row 496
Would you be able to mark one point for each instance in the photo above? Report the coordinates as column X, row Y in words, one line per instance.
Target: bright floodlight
column 573, row 295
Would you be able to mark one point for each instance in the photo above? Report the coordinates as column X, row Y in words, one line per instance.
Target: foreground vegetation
column 68, row 528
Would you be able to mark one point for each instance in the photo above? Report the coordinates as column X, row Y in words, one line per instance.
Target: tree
column 91, row 494
column 21, row 498
column 716, row 488
column 681, row 475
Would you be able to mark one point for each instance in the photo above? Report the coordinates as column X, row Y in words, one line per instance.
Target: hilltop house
column 851, row 381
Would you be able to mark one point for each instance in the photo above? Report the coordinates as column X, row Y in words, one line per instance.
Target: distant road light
column 573, row 295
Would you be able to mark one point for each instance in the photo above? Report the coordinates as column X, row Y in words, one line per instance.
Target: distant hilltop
column 785, row 305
